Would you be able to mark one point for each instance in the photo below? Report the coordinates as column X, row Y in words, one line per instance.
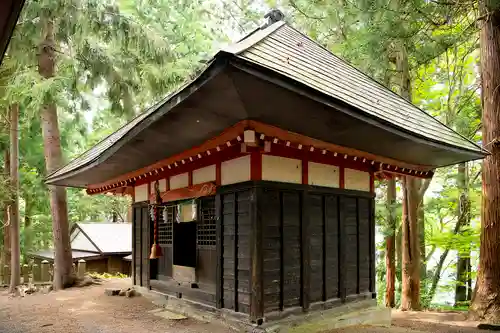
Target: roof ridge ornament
column 273, row 16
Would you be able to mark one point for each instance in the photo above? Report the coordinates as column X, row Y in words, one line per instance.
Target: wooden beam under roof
column 284, row 143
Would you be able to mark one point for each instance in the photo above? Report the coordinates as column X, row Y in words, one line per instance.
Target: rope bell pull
column 156, row 251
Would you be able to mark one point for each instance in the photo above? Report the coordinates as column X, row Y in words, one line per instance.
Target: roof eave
column 9, row 14
column 216, row 66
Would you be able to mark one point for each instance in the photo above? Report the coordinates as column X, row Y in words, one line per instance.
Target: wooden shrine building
column 264, row 166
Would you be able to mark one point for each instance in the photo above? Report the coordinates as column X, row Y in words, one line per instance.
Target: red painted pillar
column 256, row 165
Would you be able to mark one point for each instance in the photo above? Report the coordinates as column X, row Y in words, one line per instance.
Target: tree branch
column 431, row 253
column 312, row 17
column 423, row 188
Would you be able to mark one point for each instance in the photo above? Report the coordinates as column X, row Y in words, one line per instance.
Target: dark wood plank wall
column 140, row 244
column 271, row 248
column 229, row 227
column 206, row 267
column 364, row 243
column 291, row 252
column 281, row 225
column 317, row 247
column 351, row 241
column 322, row 227
column 146, row 246
column 313, row 244
column 236, row 256
column 331, row 268
column 137, row 237
column 244, row 254
column 165, row 263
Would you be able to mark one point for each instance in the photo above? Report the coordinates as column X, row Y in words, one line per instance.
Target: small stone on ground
column 89, row 310
column 111, row 291
column 170, row 315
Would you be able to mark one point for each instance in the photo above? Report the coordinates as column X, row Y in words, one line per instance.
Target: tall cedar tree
column 390, row 246
column 6, row 208
column 410, row 293
column 15, row 261
column 486, row 301
column 63, row 273
column 410, row 266
column 463, row 287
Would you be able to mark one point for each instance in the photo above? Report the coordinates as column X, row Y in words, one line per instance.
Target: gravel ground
column 88, row 310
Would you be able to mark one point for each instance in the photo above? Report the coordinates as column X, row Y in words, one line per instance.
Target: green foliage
column 113, row 58
column 117, row 57
column 445, row 307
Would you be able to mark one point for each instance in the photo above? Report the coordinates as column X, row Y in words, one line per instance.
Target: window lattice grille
column 165, row 226
column 206, row 227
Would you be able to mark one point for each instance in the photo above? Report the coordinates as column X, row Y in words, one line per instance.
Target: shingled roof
column 106, row 237
column 95, row 239
column 287, row 52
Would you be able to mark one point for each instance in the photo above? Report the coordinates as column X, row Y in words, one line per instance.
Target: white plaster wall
column 162, row 183
column 203, row 175
column 323, row 175
column 356, row 180
column 179, row 181
column 236, row 170
column 281, row 169
column 141, row 193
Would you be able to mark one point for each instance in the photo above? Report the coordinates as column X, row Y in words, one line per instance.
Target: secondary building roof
column 49, row 254
column 278, row 76
column 102, row 237
column 94, row 240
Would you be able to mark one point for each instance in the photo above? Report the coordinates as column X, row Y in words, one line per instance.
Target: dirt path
column 88, row 310
column 422, row 322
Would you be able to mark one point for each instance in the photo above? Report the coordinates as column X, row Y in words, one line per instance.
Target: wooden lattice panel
column 165, row 226
column 206, row 234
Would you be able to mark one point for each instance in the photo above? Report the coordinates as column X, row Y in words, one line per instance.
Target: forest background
column 96, row 64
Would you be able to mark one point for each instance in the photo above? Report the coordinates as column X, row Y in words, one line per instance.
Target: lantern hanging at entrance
column 156, row 248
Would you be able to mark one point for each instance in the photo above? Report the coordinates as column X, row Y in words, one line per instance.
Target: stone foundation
column 365, row 312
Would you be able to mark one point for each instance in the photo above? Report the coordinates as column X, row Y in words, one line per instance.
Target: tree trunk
column 437, row 275
column 15, row 259
column 63, row 275
column 27, row 228
column 463, row 259
column 421, row 241
column 410, row 294
column 423, row 185
column 390, row 245
column 439, row 267
column 399, row 254
column 410, row 267
column 6, row 217
column 486, row 302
